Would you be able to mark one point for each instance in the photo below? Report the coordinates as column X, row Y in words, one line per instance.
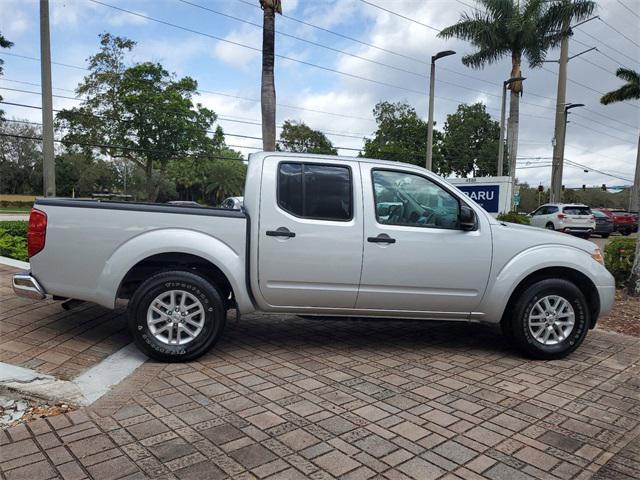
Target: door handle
column 280, row 232
column 382, row 238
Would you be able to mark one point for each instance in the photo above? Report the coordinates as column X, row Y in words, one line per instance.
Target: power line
column 628, row 9
column 311, row 42
column 222, row 117
column 242, row 45
column 596, row 39
column 618, row 31
column 401, row 16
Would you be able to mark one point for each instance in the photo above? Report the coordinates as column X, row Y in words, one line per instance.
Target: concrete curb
column 10, row 262
column 82, row 390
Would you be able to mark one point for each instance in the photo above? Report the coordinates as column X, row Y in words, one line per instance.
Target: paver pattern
column 42, row 336
column 281, row 397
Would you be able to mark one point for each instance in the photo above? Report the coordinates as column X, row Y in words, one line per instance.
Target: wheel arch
column 182, row 248
column 167, row 261
column 579, row 279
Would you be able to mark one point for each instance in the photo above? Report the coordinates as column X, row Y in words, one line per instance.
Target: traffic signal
column 604, row 187
column 584, row 188
column 563, row 188
column 540, row 188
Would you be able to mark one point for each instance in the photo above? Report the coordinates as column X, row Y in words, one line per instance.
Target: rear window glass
column 315, row 191
column 599, row 214
column 577, row 210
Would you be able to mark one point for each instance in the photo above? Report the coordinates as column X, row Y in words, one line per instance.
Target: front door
column 416, row 257
column 310, row 233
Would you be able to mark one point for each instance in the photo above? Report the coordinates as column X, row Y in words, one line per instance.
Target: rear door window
column 309, row 190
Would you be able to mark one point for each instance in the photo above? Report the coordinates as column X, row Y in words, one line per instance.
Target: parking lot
column 284, row 397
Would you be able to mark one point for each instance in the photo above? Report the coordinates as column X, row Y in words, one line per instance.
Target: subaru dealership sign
column 492, row 193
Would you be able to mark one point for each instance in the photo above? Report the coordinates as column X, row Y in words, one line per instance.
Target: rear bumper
column 25, row 285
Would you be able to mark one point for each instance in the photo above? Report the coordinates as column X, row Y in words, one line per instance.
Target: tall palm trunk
column 268, row 92
column 513, row 124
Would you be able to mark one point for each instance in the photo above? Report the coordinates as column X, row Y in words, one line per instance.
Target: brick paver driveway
column 42, row 336
column 283, row 397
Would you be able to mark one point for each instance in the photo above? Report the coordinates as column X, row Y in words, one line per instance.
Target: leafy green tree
column 139, row 113
column 515, row 29
column 402, row 136
column 20, row 159
column 4, row 43
column 209, row 179
column 470, row 141
column 298, row 137
column 78, row 175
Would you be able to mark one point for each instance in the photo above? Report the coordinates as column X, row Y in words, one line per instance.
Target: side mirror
column 467, row 218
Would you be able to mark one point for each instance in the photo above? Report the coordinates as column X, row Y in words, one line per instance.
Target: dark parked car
column 604, row 224
column 623, row 222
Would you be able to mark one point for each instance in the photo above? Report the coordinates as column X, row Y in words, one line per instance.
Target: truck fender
column 172, row 240
column 530, row 261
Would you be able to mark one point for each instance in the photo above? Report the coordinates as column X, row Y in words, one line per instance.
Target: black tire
column 626, row 233
column 518, row 324
column 549, row 226
column 605, row 235
column 215, row 316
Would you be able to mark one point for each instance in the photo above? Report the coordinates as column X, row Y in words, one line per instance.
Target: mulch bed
column 625, row 316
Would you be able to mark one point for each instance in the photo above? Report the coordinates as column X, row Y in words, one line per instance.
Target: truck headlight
column 597, row 256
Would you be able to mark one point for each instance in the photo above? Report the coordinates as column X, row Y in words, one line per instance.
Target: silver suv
column 572, row 218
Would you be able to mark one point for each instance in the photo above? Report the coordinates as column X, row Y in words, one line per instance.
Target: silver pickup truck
column 318, row 235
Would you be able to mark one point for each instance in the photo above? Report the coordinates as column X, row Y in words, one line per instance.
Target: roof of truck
column 331, row 157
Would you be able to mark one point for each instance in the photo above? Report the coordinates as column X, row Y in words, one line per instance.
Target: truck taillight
column 37, row 232
column 561, row 216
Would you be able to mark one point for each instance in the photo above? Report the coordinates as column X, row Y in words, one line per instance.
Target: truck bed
column 83, row 256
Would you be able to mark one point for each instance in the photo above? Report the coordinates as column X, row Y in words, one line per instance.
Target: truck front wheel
column 176, row 316
column 550, row 319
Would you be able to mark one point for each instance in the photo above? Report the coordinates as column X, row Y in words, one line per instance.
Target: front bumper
column 25, row 285
column 607, row 296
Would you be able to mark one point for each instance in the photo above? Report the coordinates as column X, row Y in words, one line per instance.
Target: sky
column 321, row 81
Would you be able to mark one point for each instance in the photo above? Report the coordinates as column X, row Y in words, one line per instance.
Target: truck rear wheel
column 550, row 319
column 176, row 316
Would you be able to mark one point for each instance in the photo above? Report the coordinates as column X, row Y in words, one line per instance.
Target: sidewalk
column 282, row 397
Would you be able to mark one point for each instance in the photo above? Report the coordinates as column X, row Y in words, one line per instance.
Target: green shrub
column 619, row 255
column 514, row 217
column 13, row 246
column 15, row 228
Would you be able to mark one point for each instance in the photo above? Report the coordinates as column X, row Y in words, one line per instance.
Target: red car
column 623, row 222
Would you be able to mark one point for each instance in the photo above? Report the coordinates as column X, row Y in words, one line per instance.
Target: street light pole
column 558, row 167
column 432, row 86
column 502, row 128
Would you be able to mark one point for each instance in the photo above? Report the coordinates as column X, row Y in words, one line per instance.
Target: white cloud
column 236, row 55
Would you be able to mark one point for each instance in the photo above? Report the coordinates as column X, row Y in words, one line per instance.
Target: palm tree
column 516, row 29
column 630, row 91
column 268, row 91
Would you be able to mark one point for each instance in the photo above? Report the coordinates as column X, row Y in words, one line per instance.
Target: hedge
column 619, row 255
column 13, row 240
column 514, row 217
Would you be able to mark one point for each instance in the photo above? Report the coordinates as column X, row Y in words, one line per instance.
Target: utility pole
column 48, row 154
column 560, row 126
column 432, row 86
column 505, row 84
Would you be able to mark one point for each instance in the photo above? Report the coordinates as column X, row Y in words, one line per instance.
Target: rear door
column 310, row 232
